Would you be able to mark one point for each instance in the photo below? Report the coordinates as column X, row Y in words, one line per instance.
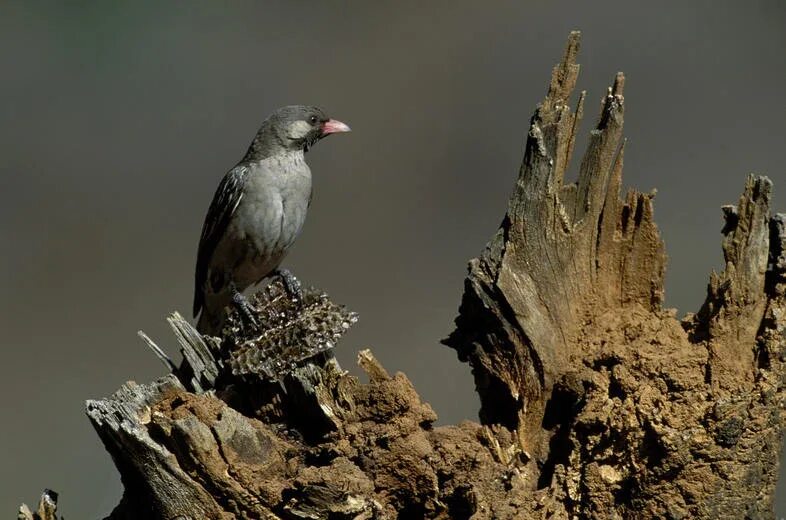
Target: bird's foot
column 246, row 309
column 291, row 284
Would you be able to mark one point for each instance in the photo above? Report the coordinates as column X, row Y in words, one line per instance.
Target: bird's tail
column 211, row 319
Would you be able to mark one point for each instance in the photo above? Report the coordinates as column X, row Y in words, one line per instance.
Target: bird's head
column 292, row 128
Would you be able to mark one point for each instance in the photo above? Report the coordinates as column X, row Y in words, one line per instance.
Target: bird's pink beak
column 333, row 126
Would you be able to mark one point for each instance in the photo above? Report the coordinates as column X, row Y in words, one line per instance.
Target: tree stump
column 596, row 401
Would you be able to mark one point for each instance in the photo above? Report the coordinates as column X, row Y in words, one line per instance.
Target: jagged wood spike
column 565, row 301
column 47, row 508
column 159, row 353
column 199, row 360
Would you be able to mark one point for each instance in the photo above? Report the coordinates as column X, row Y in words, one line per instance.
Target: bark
column 596, row 402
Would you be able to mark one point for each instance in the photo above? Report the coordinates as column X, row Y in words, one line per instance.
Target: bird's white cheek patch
column 298, row 130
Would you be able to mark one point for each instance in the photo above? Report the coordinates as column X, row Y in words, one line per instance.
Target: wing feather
column 225, row 202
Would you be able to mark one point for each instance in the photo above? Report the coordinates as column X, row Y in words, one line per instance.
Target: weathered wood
column 626, row 410
column 156, row 485
column 47, row 508
column 596, row 401
column 157, row 351
column 202, row 361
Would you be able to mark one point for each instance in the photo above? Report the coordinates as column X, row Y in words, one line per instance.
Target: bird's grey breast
column 275, row 203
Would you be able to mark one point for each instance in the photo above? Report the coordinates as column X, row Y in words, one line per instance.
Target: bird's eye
column 313, row 120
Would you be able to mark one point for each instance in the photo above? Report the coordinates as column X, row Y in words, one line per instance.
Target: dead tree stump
column 596, row 401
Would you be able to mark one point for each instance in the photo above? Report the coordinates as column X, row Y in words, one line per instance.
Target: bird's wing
column 225, row 201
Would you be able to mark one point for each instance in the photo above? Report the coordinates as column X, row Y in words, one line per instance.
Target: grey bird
column 257, row 213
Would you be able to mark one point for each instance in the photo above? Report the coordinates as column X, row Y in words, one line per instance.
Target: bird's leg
column 243, row 305
column 291, row 284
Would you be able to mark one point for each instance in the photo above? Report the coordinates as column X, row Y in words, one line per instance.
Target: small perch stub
column 596, row 401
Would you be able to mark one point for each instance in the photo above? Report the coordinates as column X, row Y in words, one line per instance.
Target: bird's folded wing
column 225, row 202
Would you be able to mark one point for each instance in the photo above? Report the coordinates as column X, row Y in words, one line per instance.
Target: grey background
column 117, row 121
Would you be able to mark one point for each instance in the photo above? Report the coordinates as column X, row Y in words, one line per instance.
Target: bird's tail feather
column 211, row 322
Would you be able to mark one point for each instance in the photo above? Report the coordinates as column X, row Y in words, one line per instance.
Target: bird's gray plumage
column 225, row 201
column 257, row 211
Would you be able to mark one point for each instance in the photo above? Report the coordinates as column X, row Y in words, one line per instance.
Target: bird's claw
column 246, row 310
column 291, row 284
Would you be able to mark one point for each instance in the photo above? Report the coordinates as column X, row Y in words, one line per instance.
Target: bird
column 256, row 214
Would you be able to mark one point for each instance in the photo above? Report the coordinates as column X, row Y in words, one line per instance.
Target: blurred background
column 118, row 119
